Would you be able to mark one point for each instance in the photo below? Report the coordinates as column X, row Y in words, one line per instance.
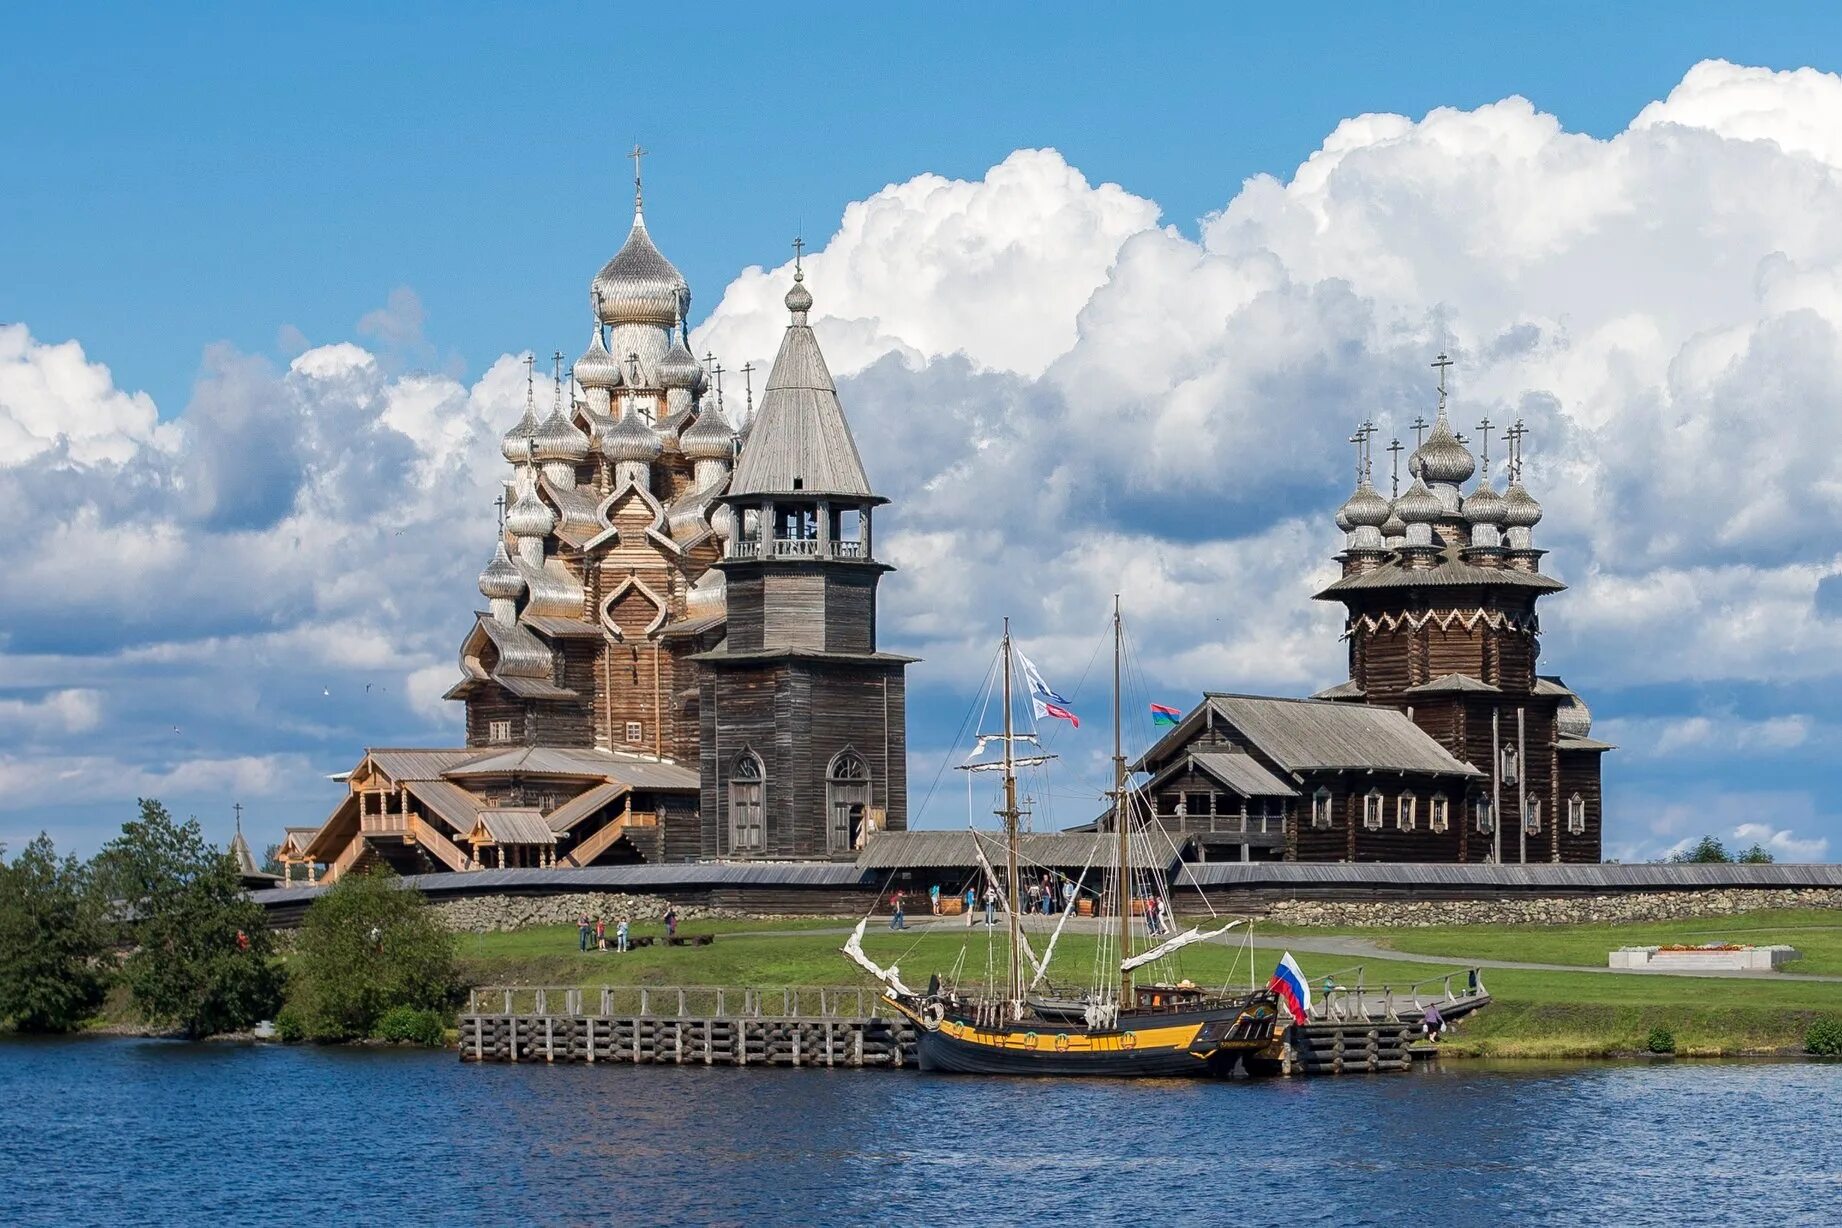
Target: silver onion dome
column 1573, row 719
column 1394, row 526
column 710, row 437
column 529, row 516
column 559, row 439
column 1364, row 508
column 597, row 368
column 500, row 580
column 1484, row 506
column 516, row 445
column 1418, row 505
column 631, row 440
column 1520, row 511
column 639, row 285
column 799, row 299
column 1442, row 458
column 678, row 369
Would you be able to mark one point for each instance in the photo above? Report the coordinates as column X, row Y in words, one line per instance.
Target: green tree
column 202, row 955
column 1707, row 851
column 53, row 946
column 365, row 947
column 1755, row 856
column 271, row 860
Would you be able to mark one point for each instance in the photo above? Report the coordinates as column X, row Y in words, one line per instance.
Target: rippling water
column 132, row 1131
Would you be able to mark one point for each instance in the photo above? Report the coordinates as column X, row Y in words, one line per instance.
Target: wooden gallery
column 678, row 661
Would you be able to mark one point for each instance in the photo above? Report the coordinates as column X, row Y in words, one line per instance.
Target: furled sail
column 1174, row 944
column 853, row 949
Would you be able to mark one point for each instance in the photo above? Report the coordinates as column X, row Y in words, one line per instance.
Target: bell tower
column 805, row 737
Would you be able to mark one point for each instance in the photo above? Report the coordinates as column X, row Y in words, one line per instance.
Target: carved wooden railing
column 619, row 826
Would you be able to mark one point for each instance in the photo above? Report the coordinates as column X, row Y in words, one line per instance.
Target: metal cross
column 1483, row 432
column 530, row 378
column 636, row 154
column 799, row 246
column 748, row 384
column 1419, row 425
column 556, row 379
column 239, row 809
column 500, row 504
column 1442, row 362
column 717, row 372
column 1357, row 440
column 1396, row 448
column 633, row 369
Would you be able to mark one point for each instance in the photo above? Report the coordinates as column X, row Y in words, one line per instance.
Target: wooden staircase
column 586, row 852
column 436, row 844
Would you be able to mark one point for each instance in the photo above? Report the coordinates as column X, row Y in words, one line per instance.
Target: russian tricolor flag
column 1292, row 987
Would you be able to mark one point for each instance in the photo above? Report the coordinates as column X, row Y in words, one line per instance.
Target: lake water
column 158, row 1132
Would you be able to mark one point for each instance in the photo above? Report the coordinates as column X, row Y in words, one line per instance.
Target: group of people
column 595, row 929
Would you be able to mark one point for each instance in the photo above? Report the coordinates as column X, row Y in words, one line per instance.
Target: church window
column 1406, row 812
column 1320, row 809
column 1533, row 822
column 499, row 731
column 1372, row 810
column 745, row 804
column 1438, row 813
column 636, row 733
column 847, row 802
column 1576, row 815
column 1486, row 821
column 1508, row 761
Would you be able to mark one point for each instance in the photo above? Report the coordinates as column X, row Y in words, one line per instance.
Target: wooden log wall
column 1339, row 1048
column 704, row 1041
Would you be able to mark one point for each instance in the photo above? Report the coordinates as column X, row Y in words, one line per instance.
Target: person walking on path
column 896, row 920
column 620, row 937
column 972, row 905
column 991, row 902
column 671, row 922
column 601, row 933
column 582, row 928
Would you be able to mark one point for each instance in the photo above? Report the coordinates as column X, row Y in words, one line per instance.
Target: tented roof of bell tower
column 799, row 443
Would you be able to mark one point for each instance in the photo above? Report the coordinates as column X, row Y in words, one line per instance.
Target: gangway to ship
column 1362, row 1027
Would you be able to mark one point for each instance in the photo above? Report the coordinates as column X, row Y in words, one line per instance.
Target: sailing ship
column 1118, row 1027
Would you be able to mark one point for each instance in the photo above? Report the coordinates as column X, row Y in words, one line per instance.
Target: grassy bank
column 1534, row 1013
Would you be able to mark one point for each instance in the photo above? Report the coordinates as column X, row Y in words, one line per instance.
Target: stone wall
column 484, row 914
column 1552, row 910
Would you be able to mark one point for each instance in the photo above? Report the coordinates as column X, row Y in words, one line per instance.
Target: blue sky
column 195, row 198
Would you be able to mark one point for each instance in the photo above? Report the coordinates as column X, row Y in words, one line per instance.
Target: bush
column 411, row 1025
column 1661, row 1040
column 1824, row 1039
column 289, row 1026
column 365, row 947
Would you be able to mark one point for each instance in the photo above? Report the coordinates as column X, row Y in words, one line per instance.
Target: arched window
column 1533, row 822
column 1320, row 809
column 1372, row 810
column 1486, row 821
column 747, row 783
column 1439, row 813
column 847, row 801
column 1406, row 812
column 1508, row 764
column 1576, row 815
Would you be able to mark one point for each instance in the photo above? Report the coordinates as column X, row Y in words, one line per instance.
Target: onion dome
column 1484, row 506
column 631, row 440
column 501, row 581
column 1419, row 505
column 799, row 299
column 559, row 439
column 710, row 437
column 529, row 516
column 1520, row 511
column 678, row 369
column 1394, row 527
column 1573, row 719
column 1442, row 458
column 639, row 286
column 597, row 368
column 516, row 446
column 1365, row 508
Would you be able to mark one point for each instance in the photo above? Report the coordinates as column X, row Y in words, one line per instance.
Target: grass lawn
column 1533, row 1014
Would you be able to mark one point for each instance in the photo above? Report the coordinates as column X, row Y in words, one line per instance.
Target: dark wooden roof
column 1315, row 735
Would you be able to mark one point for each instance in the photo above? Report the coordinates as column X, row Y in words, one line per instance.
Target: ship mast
column 1013, row 987
column 1120, row 822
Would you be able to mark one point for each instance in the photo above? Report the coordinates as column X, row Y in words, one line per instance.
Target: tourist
column 671, row 923
column 896, row 920
column 1035, row 903
column 933, row 898
column 1069, row 893
column 991, row 902
column 620, row 937
column 972, row 905
column 582, row 929
column 1435, row 1024
column 601, row 933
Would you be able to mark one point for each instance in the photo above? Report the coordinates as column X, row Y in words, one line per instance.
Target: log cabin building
column 678, row 658
column 1444, row 744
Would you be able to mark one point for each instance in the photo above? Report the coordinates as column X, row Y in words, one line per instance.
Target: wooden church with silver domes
column 678, row 657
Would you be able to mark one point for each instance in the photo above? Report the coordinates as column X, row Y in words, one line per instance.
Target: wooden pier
column 1354, row 1029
